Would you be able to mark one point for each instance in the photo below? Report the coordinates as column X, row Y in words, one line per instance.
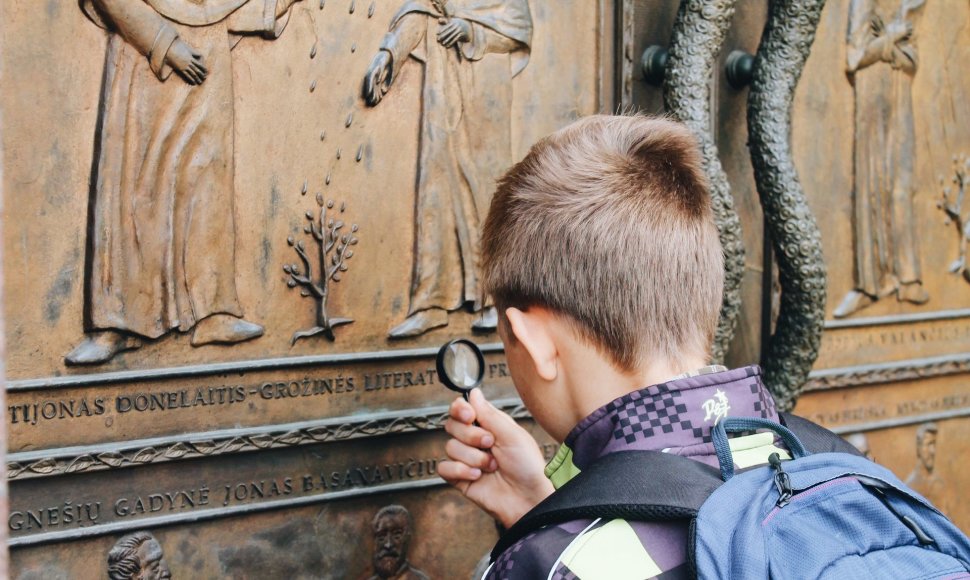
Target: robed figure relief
column 161, row 248
column 882, row 60
column 471, row 51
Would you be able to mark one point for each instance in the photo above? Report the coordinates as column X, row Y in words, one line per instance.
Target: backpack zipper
column 782, row 481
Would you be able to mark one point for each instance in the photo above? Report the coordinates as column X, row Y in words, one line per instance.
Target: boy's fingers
column 469, row 434
column 470, row 456
column 456, row 473
column 489, row 416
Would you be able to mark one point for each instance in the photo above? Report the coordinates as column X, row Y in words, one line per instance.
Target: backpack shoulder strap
column 815, row 438
column 630, row 485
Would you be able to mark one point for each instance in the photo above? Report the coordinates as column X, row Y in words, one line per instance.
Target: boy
column 602, row 256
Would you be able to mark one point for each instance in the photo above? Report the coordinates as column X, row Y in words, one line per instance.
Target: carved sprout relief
column 881, row 62
column 471, row 50
column 332, row 249
column 161, row 235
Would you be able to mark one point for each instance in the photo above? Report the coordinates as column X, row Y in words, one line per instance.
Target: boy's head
column 608, row 224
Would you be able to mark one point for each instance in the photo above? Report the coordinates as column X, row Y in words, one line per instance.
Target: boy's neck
column 584, row 368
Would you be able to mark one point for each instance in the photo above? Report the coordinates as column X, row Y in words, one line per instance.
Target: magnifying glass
column 461, row 366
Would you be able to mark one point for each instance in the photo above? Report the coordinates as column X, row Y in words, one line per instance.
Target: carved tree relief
column 161, row 247
column 333, row 250
column 471, row 51
column 881, row 62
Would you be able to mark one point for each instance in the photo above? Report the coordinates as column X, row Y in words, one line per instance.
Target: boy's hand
column 496, row 464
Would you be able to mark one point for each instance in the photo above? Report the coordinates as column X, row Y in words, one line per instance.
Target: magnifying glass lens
column 462, row 365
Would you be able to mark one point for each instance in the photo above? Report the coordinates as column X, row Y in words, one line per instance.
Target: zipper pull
column 782, row 481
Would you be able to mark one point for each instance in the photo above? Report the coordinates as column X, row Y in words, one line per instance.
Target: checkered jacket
column 674, row 417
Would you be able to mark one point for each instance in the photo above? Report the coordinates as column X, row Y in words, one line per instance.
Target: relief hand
column 187, row 62
column 378, row 78
column 496, row 464
column 454, row 31
column 898, row 31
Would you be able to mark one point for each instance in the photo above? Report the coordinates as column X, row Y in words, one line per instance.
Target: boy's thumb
column 487, row 414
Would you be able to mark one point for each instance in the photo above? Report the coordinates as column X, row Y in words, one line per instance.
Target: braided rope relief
column 785, row 46
column 699, row 32
column 210, row 447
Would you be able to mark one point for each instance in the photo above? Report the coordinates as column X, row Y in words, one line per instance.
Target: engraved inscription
column 852, row 346
column 25, row 520
column 878, row 411
column 304, row 386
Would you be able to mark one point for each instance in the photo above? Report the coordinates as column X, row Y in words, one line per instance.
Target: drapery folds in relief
column 471, row 51
column 881, row 62
column 162, row 226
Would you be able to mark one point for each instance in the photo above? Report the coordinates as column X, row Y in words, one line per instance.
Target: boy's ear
column 532, row 328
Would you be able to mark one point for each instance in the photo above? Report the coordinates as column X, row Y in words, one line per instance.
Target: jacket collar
column 675, row 417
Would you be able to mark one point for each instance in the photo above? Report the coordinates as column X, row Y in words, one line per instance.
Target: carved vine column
column 794, row 234
column 695, row 42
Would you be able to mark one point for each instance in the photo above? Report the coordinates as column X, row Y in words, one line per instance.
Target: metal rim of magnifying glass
column 442, row 373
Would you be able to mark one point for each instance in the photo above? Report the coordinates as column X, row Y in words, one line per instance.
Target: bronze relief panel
column 237, row 232
column 885, row 91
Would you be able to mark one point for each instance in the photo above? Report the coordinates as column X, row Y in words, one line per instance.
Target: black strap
column 815, row 438
column 629, row 485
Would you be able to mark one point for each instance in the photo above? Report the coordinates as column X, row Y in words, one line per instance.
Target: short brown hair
column 608, row 221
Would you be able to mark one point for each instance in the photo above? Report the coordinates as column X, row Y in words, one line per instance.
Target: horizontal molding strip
column 214, row 513
column 91, row 380
column 901, row 421
column 897, row 319
column 890, row 372
column 110, row 456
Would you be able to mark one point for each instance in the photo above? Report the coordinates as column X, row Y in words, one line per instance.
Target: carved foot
column 224, row 329
column 419, row 323
column 101, row 347
column 853, row 302
column 914, row 293
column 487, row 321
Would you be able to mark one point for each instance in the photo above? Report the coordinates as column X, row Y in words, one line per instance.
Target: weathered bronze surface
column 237, row 231
column 884, row 371
column 885, row 91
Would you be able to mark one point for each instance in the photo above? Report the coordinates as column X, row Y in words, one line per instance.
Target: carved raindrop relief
column 331, row 243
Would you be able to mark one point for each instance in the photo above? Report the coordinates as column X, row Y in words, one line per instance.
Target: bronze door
column 879, row 142
column 235, row 236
